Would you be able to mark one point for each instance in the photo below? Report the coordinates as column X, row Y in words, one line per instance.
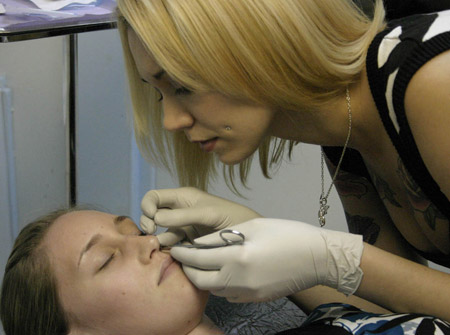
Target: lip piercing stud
column 227, row 128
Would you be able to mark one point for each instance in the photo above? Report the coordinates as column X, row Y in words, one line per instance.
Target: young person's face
column 204, row 117
column 112, row 280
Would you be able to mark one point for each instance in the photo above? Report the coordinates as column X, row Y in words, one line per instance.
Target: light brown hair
column 29, row 302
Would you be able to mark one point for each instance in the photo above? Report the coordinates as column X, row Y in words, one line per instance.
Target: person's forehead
column 71, row 229
column 144, row 60
column 82, row 218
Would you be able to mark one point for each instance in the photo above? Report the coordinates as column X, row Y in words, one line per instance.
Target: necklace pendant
column 323, row 209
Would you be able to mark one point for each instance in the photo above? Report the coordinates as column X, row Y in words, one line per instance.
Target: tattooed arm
column 366, row 215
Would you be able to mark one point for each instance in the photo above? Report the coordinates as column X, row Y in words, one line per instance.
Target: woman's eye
column 182, row 90
column 108, row 261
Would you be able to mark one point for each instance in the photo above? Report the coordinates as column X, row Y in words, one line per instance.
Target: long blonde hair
column 289, row 55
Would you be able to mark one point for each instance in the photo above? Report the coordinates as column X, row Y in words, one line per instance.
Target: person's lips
column 208, row 145
column 167, row 266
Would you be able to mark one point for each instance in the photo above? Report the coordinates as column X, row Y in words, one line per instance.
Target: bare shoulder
column 427, row 103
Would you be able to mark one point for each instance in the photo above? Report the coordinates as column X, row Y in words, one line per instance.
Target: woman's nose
column 145, row 246
column 176, row 117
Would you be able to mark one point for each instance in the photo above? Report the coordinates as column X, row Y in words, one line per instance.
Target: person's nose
column 143, row 247
column 176, row 117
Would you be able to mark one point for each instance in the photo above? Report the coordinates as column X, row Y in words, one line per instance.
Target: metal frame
column 70, row 29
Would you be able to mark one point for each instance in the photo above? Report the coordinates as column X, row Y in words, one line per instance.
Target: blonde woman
column 215, row 81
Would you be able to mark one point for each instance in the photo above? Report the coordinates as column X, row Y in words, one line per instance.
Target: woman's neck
column 329, row 125
column 206, row 327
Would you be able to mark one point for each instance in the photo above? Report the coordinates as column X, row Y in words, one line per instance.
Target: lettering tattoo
column 363, row 225
column 417, row 200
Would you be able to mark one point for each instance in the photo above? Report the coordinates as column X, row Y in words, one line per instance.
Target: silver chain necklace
column 323, row 209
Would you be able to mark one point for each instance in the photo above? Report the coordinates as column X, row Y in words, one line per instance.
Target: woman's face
column 231, row 129
column 112, row 280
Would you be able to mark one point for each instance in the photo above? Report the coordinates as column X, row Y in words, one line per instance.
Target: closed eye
column 108, row 261
column 182, row 90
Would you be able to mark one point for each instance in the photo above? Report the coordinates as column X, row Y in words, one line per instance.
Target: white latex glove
column 278, row 258
column 189, row 212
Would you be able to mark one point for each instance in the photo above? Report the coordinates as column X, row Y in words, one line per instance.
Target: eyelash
column 178, row 91
column 182, row 90
column 113, row 255
column 107, row 261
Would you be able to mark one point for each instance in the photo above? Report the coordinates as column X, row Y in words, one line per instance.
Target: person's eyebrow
column 120, row 218
column 97, row 237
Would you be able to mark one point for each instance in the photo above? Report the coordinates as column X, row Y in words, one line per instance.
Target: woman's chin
column 232, row 159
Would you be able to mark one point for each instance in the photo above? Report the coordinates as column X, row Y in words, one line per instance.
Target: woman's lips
column 167, row 267
column 208, row 145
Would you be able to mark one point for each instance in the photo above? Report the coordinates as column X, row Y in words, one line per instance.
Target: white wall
column 34, row 72
column 110, row 171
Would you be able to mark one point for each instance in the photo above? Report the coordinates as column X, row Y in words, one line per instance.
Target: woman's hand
column 189, row 212
column 278, row 258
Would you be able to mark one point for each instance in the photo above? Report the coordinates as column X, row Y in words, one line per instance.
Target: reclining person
column 87, row 272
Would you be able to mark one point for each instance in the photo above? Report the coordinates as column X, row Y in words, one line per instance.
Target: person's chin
column 232, row 158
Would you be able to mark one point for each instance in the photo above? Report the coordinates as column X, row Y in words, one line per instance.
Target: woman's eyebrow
column 120, row 218
column 97, row 237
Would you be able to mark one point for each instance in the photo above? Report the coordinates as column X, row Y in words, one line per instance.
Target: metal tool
column 228, row 241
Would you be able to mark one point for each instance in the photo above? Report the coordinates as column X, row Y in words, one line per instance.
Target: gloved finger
column 240, row 295
column 217, row 238
column 206, row 216
column 147, row 225
column 204, row 280
column 190, row 231
column 165, row 198
column 206, row 259
column 231, row 295
column 150, row 203
column 171, row 237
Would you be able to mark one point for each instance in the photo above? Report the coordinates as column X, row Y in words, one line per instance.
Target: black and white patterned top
column 394, row 56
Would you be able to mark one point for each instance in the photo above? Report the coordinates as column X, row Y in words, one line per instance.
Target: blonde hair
column 288, row 55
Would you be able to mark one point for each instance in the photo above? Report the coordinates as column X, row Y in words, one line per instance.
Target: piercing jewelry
column 227, row 128
column 323, row 198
